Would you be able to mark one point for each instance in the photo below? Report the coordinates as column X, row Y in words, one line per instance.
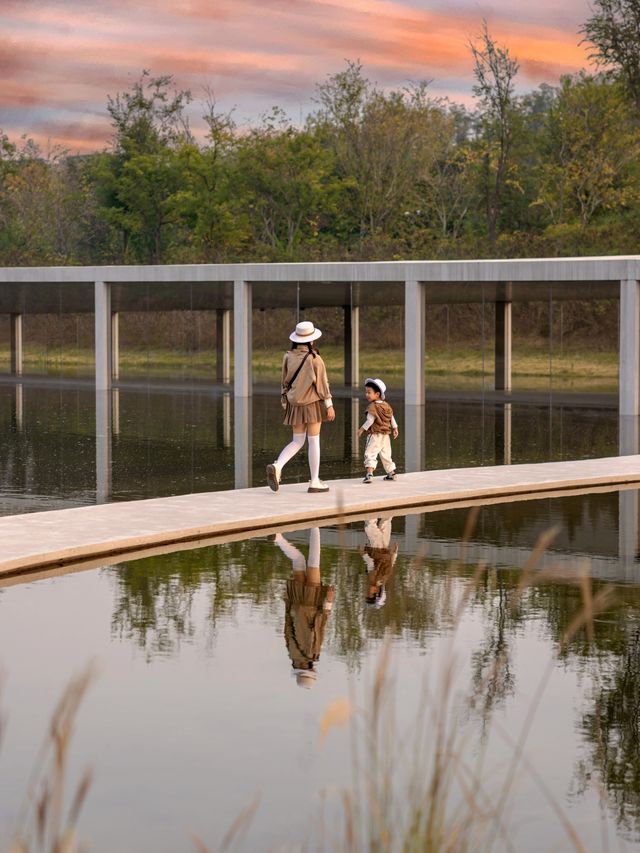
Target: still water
column 217, row 666
column 61, row 445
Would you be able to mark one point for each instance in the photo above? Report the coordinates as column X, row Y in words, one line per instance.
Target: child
column 379, row 560
column 380, row 424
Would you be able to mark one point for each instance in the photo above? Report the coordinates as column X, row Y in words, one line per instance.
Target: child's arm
column 366, row 425
column 394, row 427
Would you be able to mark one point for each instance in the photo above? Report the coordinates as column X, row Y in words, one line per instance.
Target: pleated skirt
column 312, row 413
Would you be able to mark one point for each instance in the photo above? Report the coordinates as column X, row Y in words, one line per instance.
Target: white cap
column 305, row 332
column 305, row 678
column 382, row 388
column 380, row 600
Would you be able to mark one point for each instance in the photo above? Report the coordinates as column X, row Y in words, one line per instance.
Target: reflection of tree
column 492, row 672
column 612, row 727
column 155, row 596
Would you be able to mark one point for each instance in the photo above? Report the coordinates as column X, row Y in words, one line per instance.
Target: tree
column 210, row 201
column 379, row 141
column 443, row 187
column 288, row 178
column 614, row 32
column 495, row 72
column 140, row 176
column 590, row 144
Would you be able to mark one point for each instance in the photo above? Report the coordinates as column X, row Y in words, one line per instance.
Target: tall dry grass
column 47, row 820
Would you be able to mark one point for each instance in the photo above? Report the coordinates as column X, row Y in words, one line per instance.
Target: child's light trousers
column 378, row 445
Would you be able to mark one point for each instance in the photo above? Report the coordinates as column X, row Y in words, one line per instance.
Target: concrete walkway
column 102, row 534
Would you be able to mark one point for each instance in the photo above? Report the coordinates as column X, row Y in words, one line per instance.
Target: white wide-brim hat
column 379, row 384
column 305, row 332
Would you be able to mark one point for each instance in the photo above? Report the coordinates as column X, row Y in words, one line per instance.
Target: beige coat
column 311, row 383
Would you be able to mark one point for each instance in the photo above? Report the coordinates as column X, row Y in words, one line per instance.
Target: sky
column 59, row 59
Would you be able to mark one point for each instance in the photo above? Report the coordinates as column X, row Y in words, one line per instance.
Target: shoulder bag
column 288, row 392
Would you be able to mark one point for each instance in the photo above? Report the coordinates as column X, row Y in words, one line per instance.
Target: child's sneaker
column 391, row 476
column 368, row 478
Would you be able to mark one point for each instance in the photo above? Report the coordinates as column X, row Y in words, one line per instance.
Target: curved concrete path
column 104, row 533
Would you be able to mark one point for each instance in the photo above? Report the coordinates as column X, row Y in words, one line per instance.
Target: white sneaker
column 317, row 486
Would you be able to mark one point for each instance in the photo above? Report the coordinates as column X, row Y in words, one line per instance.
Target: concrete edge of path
column 106, row 533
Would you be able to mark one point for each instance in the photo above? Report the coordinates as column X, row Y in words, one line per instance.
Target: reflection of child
column 378, row 559
column 308, row 603
column 380, row 424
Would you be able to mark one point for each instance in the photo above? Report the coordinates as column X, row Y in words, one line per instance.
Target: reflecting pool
column 63, row 445
column 218, row 672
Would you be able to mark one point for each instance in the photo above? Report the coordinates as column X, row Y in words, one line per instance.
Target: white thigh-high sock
column 290, row 450
column 298, row 562
column 314, row 548
column 314, row 457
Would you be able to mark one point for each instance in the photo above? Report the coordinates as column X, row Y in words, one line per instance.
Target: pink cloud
column 64, row 56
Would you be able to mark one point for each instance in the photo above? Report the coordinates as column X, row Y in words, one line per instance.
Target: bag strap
column 289, row 385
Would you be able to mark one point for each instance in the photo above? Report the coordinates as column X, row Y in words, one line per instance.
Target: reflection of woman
column 307, row 400
column 308, row 603
column 379, row 560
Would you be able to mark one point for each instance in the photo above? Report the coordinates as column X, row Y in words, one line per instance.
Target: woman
column 308, row 603
column 307, row 400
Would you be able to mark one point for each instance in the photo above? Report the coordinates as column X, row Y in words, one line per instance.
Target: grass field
column 445, row 368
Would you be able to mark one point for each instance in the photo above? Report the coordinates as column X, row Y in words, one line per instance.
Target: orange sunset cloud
column 60, row 58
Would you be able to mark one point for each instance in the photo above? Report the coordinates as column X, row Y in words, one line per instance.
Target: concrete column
column 243, row 441
column 226, row 420
column 115, row 411
column 503, row 346
column 223, row 345
column 103, row 446
column 629, row 369
column 628, row 527
column 17, row 410
column 103, row 335
column 412, row 524
column 16, row 344
column 115, row 345
column 414, row 342
column 502, row 434
column 351, row 346
column 414, row 427
column 357, row 451
column 242, row 338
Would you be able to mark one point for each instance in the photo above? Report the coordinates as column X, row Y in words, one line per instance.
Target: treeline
column 371, row 174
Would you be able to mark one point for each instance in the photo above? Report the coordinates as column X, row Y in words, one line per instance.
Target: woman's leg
column 313, row 432
column 298, row 562
column 288, row 452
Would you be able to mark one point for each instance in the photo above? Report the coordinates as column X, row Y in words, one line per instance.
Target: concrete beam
column 503, row 337
column 351, row 346
column 589, row 270
column 103, row 335
column 629, row 384
column 242, row 338
column 223, row 345
column 16, row 336
column 414, row 342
